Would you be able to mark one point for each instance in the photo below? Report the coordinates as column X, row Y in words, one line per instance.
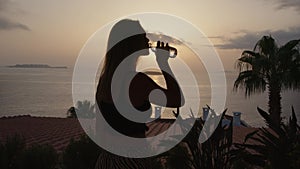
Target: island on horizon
column 36, row 66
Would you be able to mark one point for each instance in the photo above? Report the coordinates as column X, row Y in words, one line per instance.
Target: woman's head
column 126, row 31
column 126, row 38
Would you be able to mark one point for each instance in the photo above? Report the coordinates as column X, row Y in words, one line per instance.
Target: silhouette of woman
column 126, row 43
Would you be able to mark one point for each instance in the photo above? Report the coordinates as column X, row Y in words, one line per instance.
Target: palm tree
column 71, row 113
column 85, row 109
column 270, row 66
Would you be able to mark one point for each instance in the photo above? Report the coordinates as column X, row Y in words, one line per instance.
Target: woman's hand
column 162, row 52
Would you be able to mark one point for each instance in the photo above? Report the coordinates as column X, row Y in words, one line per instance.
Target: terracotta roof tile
column 58, row 131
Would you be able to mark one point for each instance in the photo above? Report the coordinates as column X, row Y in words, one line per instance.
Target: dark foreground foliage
column 80, row 154
column 37, row 157
column 211, row 154
column 276, row 147
column 15, row 155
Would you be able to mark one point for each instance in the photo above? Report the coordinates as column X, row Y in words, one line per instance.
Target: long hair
column 122, row 42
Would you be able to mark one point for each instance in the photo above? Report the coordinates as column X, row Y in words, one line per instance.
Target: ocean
column 48, row 92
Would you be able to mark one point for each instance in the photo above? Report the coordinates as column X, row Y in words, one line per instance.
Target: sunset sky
column 54, row 31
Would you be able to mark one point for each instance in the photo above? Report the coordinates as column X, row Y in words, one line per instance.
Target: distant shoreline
column 36, row 66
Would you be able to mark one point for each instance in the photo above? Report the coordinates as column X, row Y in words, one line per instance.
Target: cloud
column 248, row 39
column 215, row 37
column 165, row 38
column 4, row 4
column 5, row 22
column 282, row 4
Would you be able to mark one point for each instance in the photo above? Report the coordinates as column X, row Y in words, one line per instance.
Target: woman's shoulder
column 143, row 83
column 142, row 78
column 142, row 75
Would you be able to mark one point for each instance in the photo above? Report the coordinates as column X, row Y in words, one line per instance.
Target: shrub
column 1, row 155
column 10, row 151
column 81, row 154
column 38, row 157
column 14, row 155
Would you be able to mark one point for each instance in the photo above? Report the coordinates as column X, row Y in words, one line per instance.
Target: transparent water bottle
column 172, row 51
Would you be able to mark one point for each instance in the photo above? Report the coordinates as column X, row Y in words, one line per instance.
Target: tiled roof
column 58, row 131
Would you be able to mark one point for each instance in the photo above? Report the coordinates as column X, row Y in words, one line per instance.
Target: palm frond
column 251, row 81
column 270, row 123
column 289, row 45
column 246, row 60
column 266, row 46
column 290, row 69
column 250, row 135
column 274, row 145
